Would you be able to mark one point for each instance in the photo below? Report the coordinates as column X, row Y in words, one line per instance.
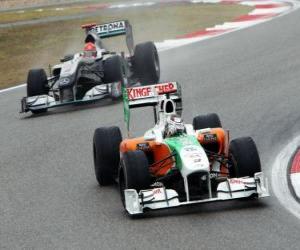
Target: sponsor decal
column 236, row 181
column 143, row 146
column 150, row 91
column 109, row 27
column 192, row 153
column 156, row 191
column 188, row 144
column 136, row 93
column 192, row 156
column 213, row 175
column 190, row 149
column 210, row 138
column 165, row 88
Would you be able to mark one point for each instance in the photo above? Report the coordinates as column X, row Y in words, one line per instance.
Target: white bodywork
column 193, row 160
column 159, row 198
column 69, row 67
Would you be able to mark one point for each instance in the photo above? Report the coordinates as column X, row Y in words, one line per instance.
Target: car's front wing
column 99, row 92
column 159, row 198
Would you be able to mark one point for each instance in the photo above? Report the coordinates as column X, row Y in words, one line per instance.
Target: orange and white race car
column 174, row 163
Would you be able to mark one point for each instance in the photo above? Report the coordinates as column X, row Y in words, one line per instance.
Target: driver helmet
column 174, row 125
column 90, row 50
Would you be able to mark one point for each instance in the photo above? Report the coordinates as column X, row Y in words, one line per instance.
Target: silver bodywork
column 64, row 75
column 112, row 90
column 68, row 70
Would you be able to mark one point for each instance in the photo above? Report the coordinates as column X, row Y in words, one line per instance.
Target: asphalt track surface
column 49, row 197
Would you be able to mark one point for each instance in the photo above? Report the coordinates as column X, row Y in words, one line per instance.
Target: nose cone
column 193, row 159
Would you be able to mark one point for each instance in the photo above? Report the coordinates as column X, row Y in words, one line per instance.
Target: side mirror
column 67, row 58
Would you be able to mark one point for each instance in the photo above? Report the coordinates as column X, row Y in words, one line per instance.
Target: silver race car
column 93, row 74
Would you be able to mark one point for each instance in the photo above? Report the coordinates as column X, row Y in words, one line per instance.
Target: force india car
column 169, row 167
column 93, row 74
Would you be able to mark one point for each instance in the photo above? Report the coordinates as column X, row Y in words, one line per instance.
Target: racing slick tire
column 211, row 120
column 244, row 156
column 114, row 69
column 146, row 63
column 106, row 144
column 37, row 85
column 134, row 172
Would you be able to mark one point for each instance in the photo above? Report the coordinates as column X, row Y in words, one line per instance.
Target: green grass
column 50, row 11
column 25, row 47
column 15, row 16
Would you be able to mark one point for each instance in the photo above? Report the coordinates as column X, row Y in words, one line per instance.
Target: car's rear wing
column 116, row 28
column 150, row 95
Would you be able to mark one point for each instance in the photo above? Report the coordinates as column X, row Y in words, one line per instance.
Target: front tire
column 146, row 63
column 244, row 156
column 106, row 144
column 134, row 172
column 211, row 120
column 37, row 85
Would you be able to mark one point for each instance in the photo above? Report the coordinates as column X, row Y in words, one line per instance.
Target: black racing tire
column 37, row 85
column 134, row 172
column 211, row 120
column 245, row 160
column 146, row 63
column 114, row 69
column 37, row 82
column 106, row 152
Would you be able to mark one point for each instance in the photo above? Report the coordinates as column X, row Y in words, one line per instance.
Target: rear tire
column 106, row 144
column 37, row 85
column 244, row 156
column 114, row 70
column 134, row 172
column 211, row 120
column 146, row 63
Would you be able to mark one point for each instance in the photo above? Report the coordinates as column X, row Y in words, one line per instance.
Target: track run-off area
column 48, row 192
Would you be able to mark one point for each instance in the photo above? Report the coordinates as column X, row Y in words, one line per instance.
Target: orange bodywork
column 160, row 151
column 222, row 141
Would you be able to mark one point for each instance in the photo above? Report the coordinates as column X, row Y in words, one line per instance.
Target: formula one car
column 175, row 164
column 93, row 74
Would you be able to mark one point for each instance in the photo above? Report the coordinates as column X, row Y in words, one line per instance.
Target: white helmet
column 174, row 126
